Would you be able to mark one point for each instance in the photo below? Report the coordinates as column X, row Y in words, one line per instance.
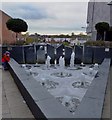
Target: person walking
column 5, row 60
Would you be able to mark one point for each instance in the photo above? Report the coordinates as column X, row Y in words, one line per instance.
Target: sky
column 49, row 17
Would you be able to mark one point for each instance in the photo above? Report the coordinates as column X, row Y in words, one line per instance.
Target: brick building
column 6, row 36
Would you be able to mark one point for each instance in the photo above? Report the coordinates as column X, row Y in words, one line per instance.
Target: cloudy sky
column 49, row 17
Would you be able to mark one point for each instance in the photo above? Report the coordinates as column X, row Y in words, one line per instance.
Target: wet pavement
column 13, row 104
column 107, row 112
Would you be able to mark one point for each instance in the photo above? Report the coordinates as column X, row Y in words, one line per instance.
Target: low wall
column 88, row 55
column 43, row 105
column 92, row 103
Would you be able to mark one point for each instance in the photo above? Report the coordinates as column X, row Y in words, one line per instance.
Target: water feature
column 81, row 84
column 48, row 61
column 96, row 66
column 70, row 102
column 72, row 59
column 61, row 62
column 62, row 74
column 82, row 64
column 67, row 84
column 49, row 84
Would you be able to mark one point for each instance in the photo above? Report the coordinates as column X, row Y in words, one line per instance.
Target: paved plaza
column 14, row 106
column 107, row 104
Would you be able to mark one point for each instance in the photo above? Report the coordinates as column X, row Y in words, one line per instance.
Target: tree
column 25, row 35
column 102, row 28
column 72, row 36
column 17, row 25
column 109, row 34
column 29, row 40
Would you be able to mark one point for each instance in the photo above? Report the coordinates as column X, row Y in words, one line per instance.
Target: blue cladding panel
column 99, row 54
column 78, row 54
column 30, row 55
column 88, row 55
column 50, row 51
column 17, row 54
column 59, row 51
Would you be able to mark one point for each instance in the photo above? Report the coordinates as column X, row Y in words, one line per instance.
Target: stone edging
column 92, row 103
column 43, row 105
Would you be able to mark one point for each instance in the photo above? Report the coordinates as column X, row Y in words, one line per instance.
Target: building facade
column 6, row 36
column 97, row 12
column 110, row 4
